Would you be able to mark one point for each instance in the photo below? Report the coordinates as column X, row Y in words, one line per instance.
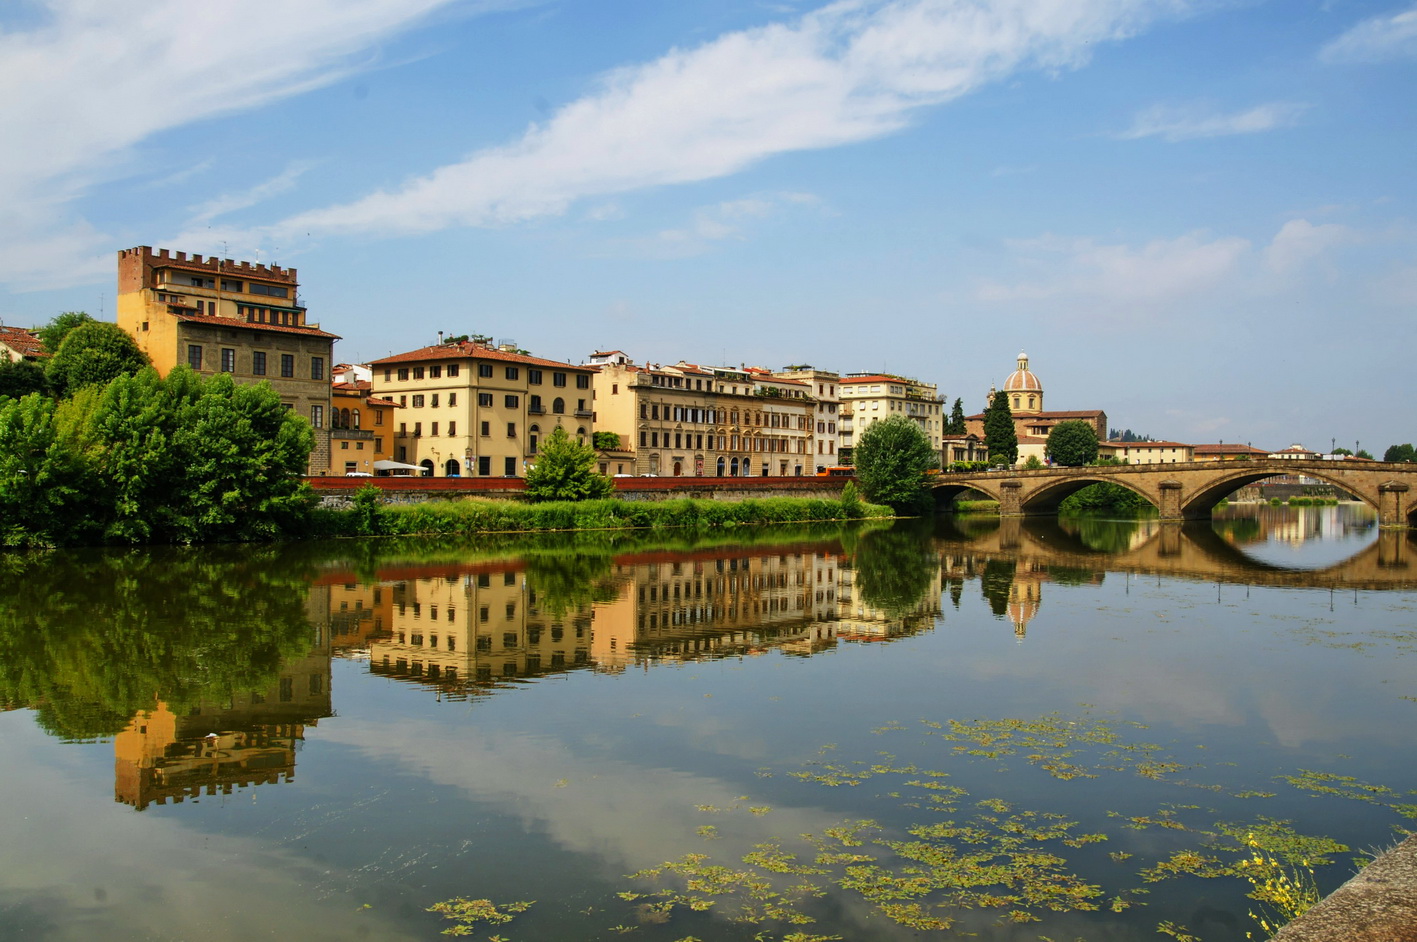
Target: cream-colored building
column 701, row 421
column 1031, row 422
column 825, row 389
column 1147, row 452
column 470, row 409
column 870, row 397
column 222, row 316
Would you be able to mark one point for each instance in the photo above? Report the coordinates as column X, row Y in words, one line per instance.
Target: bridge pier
column 1392, row 504
column 1011, row 498
column 1170, row 505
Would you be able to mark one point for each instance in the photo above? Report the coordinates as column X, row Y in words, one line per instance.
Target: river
column 1076, row 729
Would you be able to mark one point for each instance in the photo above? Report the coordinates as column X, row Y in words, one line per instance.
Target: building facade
column 1147, row 452
column 701, row 421
column 868, row 398
column 1031, row 422
column 222, row 316
column 469, row 408
column 361, row 423
column 825, row 388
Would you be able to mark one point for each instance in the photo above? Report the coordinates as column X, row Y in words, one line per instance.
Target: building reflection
column 217, row 748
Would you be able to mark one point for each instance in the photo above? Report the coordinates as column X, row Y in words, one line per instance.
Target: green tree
column 565, row 470
column 891, row 459
column 605, row 440
column 1364, row 453
column 19, row 378
column 44, row 484
column 52, row 334
column 956, row 424
column 93, row 353
column 1000, row 437
column 1072, row 444
column 1394, row 452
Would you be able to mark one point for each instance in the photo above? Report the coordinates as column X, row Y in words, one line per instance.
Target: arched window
column 558, row 406
column 533, row 436
column 678, row 468
column 720, row 467
column 452, row 469
column 427, row 465
column 356, row 418
column 734, row 466
column 580, row 434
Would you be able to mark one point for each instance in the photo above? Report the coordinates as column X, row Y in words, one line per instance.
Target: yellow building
column 361, row 423
column 469, row 408
column 1031, row 422
column 1147, row 452
column 703, row 421
column 222, row 316
column 870, row 397
column 824, row 387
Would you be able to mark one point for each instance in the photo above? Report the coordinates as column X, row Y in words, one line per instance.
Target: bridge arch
column 1046, row 499
column 1200, row 503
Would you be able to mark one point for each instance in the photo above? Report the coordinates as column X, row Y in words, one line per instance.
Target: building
column 1147, row 452
column 361, row 424
column 1223, row 451
column 866, row 398
column 17, row 344
column 1296, row 453
column 704, row 421
column 824, row 385
column 222, row 316
column 1025, row 393
column 467, row 407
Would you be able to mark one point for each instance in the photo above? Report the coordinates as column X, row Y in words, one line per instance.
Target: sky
column 1197, row 215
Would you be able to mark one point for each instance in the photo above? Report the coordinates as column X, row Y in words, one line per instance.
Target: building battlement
column 196, row 262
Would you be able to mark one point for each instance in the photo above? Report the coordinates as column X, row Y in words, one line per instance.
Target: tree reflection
column 87, row 639
column 995, row 582
column 894, row 567
column 570, row 582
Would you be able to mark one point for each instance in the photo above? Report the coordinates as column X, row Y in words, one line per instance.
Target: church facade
column 1032, row 422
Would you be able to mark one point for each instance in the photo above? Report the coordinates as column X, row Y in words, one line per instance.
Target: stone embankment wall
column 1377, row 905
column 412, row 489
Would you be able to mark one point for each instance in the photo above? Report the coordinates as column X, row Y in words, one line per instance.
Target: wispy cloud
column 1174, row 123
column 1376, row 39
column 88, row 81
column 728, row 220
column 231, row 202
column 1299, row 243
column 848, row 72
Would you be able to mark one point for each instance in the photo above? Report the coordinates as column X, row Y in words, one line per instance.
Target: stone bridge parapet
column 1188, row 491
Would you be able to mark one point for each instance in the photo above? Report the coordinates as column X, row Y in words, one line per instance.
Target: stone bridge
column 1187, row 491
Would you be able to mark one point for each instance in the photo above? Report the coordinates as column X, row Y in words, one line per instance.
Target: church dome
column 1023, row 379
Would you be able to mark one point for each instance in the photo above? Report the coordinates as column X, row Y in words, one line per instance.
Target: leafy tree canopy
column 1000, row 437
column 891, row 459
column 1400, row 453
column 565, row 470
column 93, row 353
column 605, row 440
column 52, row 334
column 20, row 378
column 1364, row 453
column 1072, row 443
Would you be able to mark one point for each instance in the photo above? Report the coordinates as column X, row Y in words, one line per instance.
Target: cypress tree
column 1000, row 438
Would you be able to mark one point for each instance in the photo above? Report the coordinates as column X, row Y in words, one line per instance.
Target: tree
column 93, row 353
column 605, row 441
column 565, row 470
column 891, row 459
column 956, row 424
column 1363, row 453
column 43, row 481
column 1072, row 444
column 19, row 378
column 1394, row 453
column 1000, row 437
column 52, row 334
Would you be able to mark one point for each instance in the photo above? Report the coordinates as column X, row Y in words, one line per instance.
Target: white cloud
column 847, row 72
column 90, row 80
column 230, row 202
column 1174, row 123
column 1157, row 273
column 1300, row 242
column 1376, row 39
column 728, row 220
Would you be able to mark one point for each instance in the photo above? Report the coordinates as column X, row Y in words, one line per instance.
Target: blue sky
column 1195, row 214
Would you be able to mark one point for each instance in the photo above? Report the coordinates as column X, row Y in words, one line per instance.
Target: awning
column 385, row 465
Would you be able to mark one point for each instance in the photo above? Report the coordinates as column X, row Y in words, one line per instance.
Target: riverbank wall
column 1377, row 905
column 416, row 489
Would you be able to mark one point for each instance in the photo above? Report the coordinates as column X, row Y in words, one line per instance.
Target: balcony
column 585, row 414
column 354, row 434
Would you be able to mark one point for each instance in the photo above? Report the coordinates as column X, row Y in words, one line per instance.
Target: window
column 484, row 467
column 418, row 372
column 484, row 400
column 533, row 377
column 378, row 416
column 403, row 400
column 452, row 369
column 258, row 363
column 533, row 436
column 511, row 430
column 435, row 428
column 418, row 402
column 486, row 431
column 512, row 402
column 580, row 405
column 194, row 356
column 356, row 418
column 228, row 285
column 452, row 429
column 228, row 360
column 270, row 291
column 582, row 382
column 642, row 440
column 403, row 374
column 435, row 372
column 510, row 467
column 558, row 406
column 317, row 416
column 513, row 372
column 558, row 379
column 287, row 365
column 452, row 399
column 417, row 429
column 484, row 370
column 434, row 403
column 533, row 404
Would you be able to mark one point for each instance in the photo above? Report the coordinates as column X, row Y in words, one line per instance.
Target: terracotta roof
column 1022, row 381
column 236, row 324
column 22, row 341
column 876, row 378
column 1228, row 448
column 378, row 401
column 359, row 385
column 466, row 350
column 1074, row 414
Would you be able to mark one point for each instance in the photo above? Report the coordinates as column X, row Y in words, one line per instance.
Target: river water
column 1065, row 730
